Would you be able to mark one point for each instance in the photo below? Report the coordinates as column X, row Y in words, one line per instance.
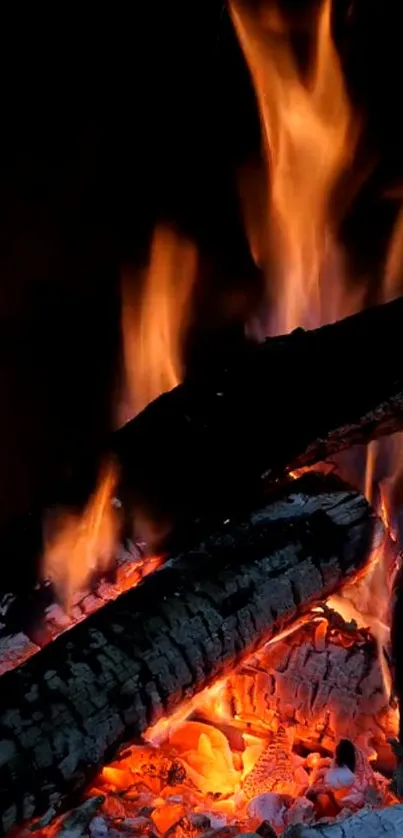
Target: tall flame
column 309, row 137
column 154, row 322
column 81, row 545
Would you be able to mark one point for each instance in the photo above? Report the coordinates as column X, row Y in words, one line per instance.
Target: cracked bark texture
column 199, row 452
column 68, row 709
column 325, row 680
column 365, row 824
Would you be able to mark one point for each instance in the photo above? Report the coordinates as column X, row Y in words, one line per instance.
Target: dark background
column 108, row 124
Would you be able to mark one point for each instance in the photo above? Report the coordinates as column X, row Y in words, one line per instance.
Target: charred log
column 71, row 706
column 206, row 448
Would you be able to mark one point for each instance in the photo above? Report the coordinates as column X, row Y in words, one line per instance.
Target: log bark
column 70, row 707
column 364, row 824
column 202, row 450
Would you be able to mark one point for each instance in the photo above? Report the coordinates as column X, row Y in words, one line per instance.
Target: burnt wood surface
column 208, row 447
column 68, row 709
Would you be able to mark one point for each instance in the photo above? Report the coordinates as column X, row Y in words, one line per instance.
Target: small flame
column 81, row 545
column 154, row 323
column 309, row 134
column 393, row 277
column 372, row 449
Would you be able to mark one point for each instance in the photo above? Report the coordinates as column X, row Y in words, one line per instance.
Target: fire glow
column 154, row 324
column 262, row 743
column 256, row 746
column 309, row 136
column 265, row 742
column 81, row 545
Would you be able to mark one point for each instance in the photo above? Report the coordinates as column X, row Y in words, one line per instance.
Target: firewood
column 368, row 823
column 206, row 448
column 69, row 708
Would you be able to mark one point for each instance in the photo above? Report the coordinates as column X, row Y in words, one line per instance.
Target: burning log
column 370, row 823
column 69, row 708
column 204, row 449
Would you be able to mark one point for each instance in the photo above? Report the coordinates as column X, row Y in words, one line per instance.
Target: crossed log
column 209, row 446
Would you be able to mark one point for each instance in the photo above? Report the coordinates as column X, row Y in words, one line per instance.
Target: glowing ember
column 274, row 769
column 289, row 737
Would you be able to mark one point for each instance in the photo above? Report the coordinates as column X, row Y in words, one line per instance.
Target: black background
column 110, row 121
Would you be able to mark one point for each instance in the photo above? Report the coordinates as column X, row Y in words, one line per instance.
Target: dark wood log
column 68, row 709
column 206, row 448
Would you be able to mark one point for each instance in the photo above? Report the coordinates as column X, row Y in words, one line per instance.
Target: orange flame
column 390, row 449
column 153, row 324
column 81, row 545
column 309, row 135
column 393, row 279
column 386, row 454
column 372, row 450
